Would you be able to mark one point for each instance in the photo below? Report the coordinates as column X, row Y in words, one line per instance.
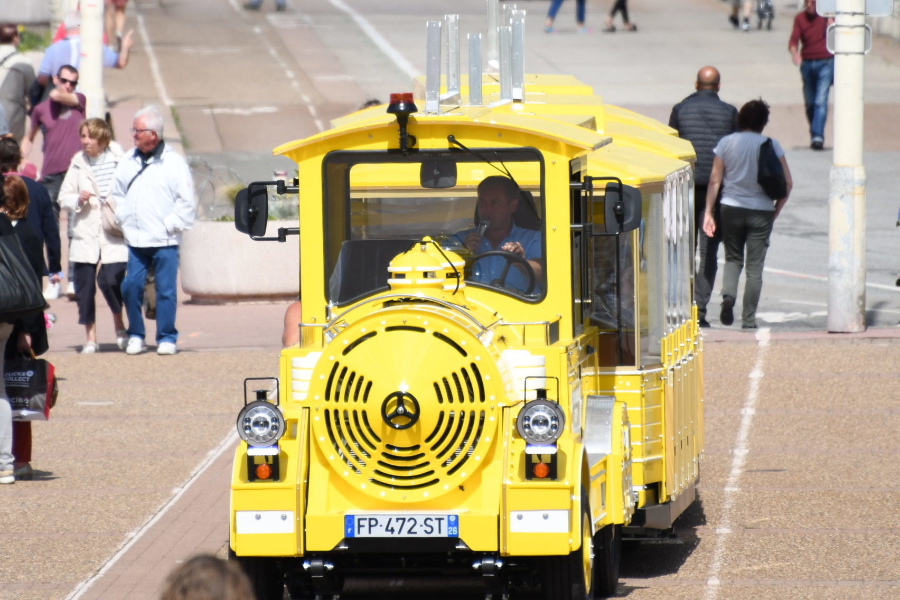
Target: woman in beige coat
column 95, row 239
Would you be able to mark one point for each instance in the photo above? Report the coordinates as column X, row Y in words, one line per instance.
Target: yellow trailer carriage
column 508, row 410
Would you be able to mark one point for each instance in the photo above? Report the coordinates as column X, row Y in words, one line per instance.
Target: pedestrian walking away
column 619, row 6
column 810, row 52
column 735, row 16
column 59, row 117
column 280, row 5
column 154, row 199
column 87, row 187
column 41, row 216
column 747, row 212
column 703, row 119
column 114, row 21
column 579, row 16
column 29, row 333
column 16, row 78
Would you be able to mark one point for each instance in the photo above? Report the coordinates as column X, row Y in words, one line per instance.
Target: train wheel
column 572, row 577
column 607, row 558
column 264, row 573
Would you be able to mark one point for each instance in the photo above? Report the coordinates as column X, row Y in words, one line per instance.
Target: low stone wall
column 221, row 265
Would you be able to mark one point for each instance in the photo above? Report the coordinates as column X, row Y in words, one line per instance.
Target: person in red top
column 59, row 117
column 808, row 51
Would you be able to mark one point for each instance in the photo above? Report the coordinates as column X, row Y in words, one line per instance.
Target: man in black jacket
column 703, row 120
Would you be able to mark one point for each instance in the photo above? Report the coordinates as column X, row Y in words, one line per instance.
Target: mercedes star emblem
column 400, row 410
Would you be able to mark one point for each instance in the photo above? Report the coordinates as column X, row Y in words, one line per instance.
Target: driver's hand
column 472, row 241
column 514, row 247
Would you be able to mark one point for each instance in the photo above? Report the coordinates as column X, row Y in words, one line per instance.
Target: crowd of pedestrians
column 125, row 211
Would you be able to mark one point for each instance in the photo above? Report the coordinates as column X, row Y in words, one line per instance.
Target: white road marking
column 242, row 112
column 226, row 445
column 821, row 278
column 154, row 64
column 741, row 449
column 288, row 73
column 378, row 39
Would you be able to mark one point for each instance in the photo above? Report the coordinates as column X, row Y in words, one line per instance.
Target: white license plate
column 401, row 526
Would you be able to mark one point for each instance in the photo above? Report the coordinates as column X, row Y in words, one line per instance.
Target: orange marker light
column 541, row 470
column 263, row 471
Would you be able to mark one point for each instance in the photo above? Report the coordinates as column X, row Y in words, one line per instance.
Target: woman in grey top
column 747, row 212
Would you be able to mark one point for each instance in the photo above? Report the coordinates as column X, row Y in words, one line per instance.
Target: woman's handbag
column 20, row 289
column 31, row 388
column 108, row 218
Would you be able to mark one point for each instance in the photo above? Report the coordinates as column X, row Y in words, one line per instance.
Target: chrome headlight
column 260, row 423
column 541, row 422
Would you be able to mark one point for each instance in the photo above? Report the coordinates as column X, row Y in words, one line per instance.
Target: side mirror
column 437, row 173
column 251, row 210
column 622, row 208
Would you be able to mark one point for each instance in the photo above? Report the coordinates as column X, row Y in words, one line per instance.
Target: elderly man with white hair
column 154, row 197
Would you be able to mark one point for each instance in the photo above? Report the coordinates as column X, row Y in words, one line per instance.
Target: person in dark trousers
column 810, row 53
column 748, row 213
column 703, row 119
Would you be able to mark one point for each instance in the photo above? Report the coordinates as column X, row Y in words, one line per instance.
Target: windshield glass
column 378, row 203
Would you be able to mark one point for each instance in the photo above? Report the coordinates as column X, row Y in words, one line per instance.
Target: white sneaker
column 135, row 345
column 166, row 349
column 121, row 339
column 70, row 291
column 90, row 348
column 52, row 291
column 7, row 476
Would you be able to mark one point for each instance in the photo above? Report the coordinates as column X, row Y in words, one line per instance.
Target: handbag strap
column 7, row 57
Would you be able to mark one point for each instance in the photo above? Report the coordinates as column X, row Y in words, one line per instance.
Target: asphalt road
column 797, row 493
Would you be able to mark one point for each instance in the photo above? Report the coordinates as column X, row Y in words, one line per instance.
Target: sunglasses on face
column 64, row 81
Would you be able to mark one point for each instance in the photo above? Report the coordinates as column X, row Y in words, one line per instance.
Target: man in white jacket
column 154, row 196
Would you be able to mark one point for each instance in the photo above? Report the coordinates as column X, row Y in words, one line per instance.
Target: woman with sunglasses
column 87, row 187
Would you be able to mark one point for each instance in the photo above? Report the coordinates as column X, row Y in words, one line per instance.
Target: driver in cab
column 498, row 199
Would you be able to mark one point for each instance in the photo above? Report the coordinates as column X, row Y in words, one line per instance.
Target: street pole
column 847, row 200
column 90, row 69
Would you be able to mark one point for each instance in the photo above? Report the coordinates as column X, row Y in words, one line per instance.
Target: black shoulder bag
column 770, row 173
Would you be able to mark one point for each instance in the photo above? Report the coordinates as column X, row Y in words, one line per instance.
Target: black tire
column 607, row 559
column 264, row 573
column 769, row 24
column 571, row 577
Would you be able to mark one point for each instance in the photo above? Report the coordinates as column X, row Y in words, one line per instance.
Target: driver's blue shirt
column 488, row 269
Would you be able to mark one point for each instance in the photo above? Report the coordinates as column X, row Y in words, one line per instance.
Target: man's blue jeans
column 818, row 75
column 165, row 265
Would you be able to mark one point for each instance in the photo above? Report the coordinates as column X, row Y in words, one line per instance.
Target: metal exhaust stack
column 452, row 97
column 505, row 64
column 517, row 57
column 493, row 55
column 475, row 95
column 433, row 68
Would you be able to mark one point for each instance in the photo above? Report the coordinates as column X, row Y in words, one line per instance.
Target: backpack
column 770, row 173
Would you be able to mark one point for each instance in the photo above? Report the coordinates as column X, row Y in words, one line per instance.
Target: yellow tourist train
column 499, row 370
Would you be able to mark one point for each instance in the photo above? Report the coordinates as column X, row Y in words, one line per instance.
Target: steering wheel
column 510, row 258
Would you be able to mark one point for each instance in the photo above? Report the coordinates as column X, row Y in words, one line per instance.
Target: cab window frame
column 349, row 158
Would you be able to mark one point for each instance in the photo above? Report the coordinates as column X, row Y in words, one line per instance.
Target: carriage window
column 612, row 305
column 651, row 278
column 376, row 207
